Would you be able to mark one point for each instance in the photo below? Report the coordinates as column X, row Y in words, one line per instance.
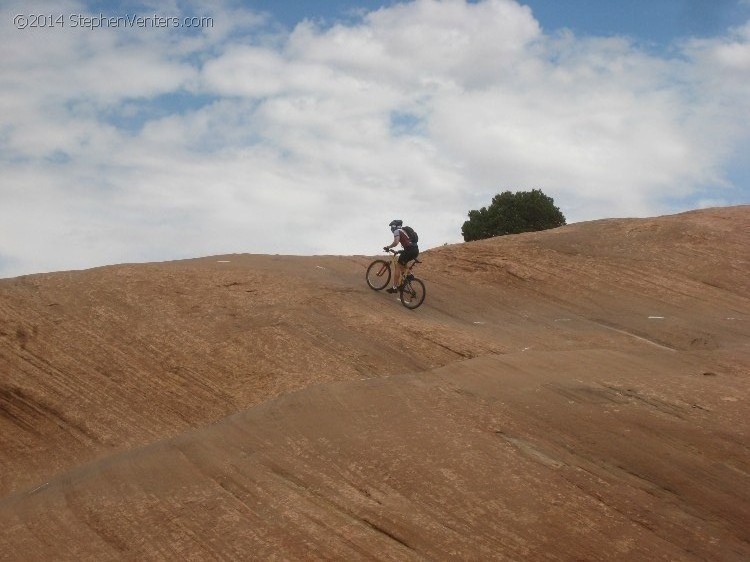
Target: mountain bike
column 411, row 291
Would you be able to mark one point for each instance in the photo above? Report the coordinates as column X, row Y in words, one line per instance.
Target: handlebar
column 397, row 252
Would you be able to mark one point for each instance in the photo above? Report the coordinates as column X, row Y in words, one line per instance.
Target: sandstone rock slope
column 580, row 393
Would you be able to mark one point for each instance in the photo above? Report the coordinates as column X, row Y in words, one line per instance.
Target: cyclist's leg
column 396, row 270
column 397, row 274
column 413, row 255
column 407, row 256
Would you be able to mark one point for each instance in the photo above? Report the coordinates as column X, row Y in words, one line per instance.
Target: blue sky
column 658, row 22
column 305, row 127
column 653, row 21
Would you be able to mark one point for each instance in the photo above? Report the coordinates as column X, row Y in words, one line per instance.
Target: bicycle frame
column 411, row 290
column 394, row 262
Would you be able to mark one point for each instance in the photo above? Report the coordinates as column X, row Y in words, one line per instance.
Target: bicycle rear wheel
column 412, row 293
column 378, row 274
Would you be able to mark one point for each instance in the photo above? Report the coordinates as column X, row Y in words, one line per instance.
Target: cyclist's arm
column 394, row 243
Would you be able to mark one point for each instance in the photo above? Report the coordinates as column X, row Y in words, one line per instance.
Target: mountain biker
column 410, row 251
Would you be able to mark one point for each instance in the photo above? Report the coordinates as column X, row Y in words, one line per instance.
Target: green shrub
column 513, row 213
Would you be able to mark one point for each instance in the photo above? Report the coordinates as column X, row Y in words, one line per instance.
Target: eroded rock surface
column 580, row 393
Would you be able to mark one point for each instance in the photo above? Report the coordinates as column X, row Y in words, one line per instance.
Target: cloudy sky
column 287, row 127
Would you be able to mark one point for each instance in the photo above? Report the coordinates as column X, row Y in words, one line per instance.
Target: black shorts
column 409, row 253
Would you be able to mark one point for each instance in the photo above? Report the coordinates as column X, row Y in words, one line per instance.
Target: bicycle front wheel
column 378, row 274
column 412, row 293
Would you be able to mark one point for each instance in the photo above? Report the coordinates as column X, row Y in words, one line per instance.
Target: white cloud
column 310, row 141
column 724, row 63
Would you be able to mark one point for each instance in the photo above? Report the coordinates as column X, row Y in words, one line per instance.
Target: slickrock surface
column 581, row 393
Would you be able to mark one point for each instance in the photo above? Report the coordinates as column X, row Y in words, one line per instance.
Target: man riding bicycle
column 410, row 251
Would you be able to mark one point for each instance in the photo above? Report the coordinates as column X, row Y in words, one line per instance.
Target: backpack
column 411, row 233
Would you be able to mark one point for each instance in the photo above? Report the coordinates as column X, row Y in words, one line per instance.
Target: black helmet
column 395, row 224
